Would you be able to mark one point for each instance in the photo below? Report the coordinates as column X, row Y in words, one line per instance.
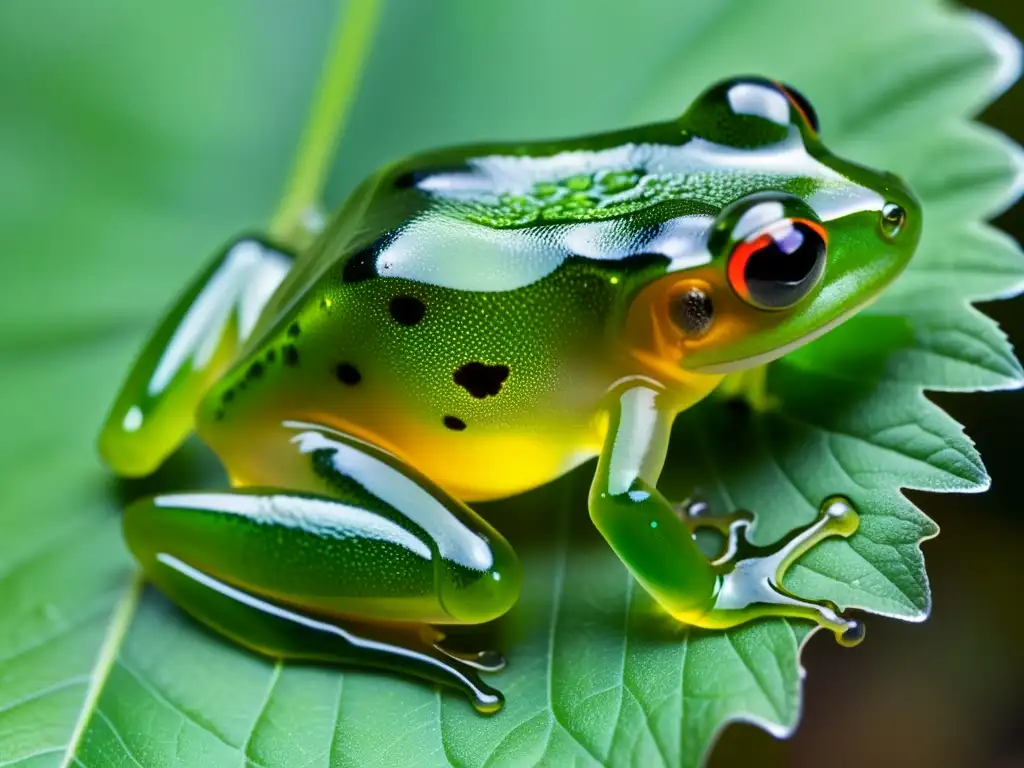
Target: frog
column 476, row 322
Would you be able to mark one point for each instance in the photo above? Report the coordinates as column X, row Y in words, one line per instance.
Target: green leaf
column 135, row 142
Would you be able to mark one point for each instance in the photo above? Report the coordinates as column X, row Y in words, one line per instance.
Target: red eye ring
column 738, row 263
column 736, row 270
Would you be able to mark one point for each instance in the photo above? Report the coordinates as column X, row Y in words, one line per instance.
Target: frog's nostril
column 893, row 220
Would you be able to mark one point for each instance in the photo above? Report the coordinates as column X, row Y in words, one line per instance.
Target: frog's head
column 802, row 240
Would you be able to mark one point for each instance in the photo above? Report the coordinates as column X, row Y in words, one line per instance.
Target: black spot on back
column 290, row 355
column 294, row 330
column 455, row 423
column 255, row 370
column 348, row 374
column 481, row 380
column 271, row 355
column 407, row 310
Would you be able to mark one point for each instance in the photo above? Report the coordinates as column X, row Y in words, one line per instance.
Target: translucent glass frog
column 473, row 323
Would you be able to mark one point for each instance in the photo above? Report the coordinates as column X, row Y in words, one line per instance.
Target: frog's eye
column 749, row 112
column 775, row 247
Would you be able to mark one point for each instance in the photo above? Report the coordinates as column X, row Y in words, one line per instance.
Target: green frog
column 473, row 323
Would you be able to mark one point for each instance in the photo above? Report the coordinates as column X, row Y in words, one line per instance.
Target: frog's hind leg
column 356, row 569
column 195, row 343
column 275, row 630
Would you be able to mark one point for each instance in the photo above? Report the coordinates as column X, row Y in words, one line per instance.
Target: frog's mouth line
column 775, row 354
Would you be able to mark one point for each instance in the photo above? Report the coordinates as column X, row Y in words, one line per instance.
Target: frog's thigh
column 399, row 547
column 195, row 343
column 330, row 556
column 303, row 575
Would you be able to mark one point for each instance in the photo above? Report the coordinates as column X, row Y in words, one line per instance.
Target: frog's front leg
column 195, row 343
column 357, row 574
column 657, row 545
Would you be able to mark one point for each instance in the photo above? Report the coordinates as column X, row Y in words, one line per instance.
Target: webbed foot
column 280, row 632
column 751, row 587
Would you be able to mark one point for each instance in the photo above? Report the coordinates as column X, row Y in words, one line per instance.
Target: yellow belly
column 478, row 468
column 484, row 461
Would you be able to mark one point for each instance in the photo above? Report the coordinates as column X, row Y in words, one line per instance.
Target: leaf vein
column 275, row 675
column 755, row 675
column 43, row 692
column 120, row 620
column 558, row 585
column 32, row 755
column 151, row 688
column 117, row 735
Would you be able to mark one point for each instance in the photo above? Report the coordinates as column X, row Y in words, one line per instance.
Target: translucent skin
column 473, row 323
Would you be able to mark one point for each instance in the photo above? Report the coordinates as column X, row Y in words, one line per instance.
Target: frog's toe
column 732, row 528
column 487, row 700
column 848, row 632
column 692, row 507
column 839, row 516
column 853, row 635
column 484, row 661
column 749, row 592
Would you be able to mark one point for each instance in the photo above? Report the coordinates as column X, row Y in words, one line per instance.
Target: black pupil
column 805, row 106
column 784, row 270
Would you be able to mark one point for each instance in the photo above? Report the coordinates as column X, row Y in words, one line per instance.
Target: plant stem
column 349, row 46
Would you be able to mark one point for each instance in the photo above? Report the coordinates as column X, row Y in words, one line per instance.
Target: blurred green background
column 946, row 693
column 949, row 692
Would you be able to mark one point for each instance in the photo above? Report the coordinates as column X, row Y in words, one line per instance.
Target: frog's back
column 449, row 332
column 415, row 203
column 487, row 392
column 465, row 309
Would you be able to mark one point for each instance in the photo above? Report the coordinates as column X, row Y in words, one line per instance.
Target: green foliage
column 134, row 142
